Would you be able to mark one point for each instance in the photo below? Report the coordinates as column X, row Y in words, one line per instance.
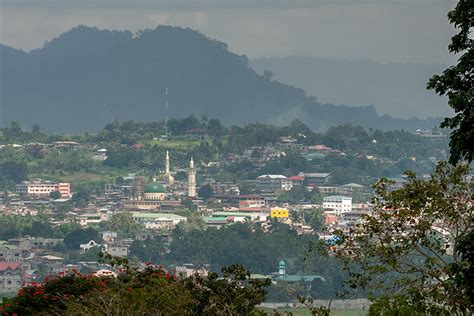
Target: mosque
column 154, row 194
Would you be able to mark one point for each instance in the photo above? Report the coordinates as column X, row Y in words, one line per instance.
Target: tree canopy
column 408, row 252
column 456, row 83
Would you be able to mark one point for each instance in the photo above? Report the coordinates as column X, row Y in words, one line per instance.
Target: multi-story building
column 44, row 188
column 9, row 253
column 338, row 203
column 11, row 276
column 316, row 178
column 273, row 183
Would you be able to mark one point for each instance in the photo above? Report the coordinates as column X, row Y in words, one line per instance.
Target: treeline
column 131, row 147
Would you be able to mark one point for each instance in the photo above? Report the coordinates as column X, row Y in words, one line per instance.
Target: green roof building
column 154, row 187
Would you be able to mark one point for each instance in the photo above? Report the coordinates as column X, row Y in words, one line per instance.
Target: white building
column 44, row 188
column 273, row 183
column 338, row 203
column 191, row 180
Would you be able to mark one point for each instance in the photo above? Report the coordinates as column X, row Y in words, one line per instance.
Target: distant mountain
column 88, row 77
column 397, row 89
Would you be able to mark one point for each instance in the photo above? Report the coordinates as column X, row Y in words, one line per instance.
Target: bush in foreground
column 149, row 291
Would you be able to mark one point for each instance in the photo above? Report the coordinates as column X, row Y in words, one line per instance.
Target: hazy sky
column 379, row 30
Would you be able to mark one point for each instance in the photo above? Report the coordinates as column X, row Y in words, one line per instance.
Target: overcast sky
column 379, row 30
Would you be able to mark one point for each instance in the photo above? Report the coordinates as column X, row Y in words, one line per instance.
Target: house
column 9, row 253
column 273, row 183
column 316, row 178
column 117, row 249
column 188, row 270
column 296, row 181
column 11, row 276
column 52, row 264
column 199, row 133
column 278, row 212
column 91, row 244
column 100, row 155
column 157, row 220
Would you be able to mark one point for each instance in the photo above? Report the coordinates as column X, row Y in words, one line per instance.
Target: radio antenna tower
column 166, row 112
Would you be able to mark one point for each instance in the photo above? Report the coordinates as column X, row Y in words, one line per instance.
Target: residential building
column 273, row 183
column 316, row 178
column 44, row 188
column 338, row 203
column 11, row 277
column 296, row 181
column 278, row 212
column 9, row 253
column 188, row 270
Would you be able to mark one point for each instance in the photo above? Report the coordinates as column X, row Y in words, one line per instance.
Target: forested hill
column 88, row 77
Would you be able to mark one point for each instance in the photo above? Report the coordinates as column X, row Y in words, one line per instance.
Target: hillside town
column 142, row 206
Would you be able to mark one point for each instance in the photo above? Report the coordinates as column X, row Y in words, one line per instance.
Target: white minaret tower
column 191, row 179
column 167, row 168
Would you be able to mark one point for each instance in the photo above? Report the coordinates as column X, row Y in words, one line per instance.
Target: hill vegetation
column 88, row 77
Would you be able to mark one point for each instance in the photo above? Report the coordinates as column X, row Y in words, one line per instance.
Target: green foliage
column 408, row 249
column 149, row 250
column 124, row 224
column 205, row 192
column 12, row 171
column 14, row 226
column 239, row 243
column 233, row 293
column 149, row 291
column 81, row 236
column 55, row 195
column 457, row 81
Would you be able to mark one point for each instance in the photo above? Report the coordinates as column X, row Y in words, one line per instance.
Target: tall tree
column 410, row 251
column 456, row 83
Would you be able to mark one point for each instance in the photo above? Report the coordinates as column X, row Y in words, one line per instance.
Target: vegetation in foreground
column 149, row 291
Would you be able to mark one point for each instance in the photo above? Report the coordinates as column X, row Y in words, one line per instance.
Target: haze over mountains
column 397, row 89
column 88, row 77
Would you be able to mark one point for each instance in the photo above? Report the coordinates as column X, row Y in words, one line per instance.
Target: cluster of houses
column 158, row 203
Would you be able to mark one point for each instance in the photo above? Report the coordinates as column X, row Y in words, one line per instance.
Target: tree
column 35, row 129
column 81, row 236
column 81, row 197
column 206, row 192
column 149, row 291
column 456, row 83
column 55, row 195
column 124, row 224
column 409, row 252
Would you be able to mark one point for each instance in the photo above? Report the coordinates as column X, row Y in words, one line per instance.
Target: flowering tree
column 133, row 291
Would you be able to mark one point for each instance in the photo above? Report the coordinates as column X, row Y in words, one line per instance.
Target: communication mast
column 166, row 112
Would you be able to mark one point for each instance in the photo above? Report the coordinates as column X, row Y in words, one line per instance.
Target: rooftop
column 272, row 176
column 9, row 266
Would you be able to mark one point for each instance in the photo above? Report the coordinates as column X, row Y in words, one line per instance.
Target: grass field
column 178, row 143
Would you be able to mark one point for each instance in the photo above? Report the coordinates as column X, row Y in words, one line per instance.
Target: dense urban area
column 248, row 196
column 196, row 196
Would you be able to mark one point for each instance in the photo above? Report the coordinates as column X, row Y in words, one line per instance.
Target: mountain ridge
column 87, row 77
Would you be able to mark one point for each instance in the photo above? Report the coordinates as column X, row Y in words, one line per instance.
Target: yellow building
column 278, row 212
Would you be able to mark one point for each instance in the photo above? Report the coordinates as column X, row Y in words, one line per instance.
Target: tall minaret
column 167, row 168
column 191, row 180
